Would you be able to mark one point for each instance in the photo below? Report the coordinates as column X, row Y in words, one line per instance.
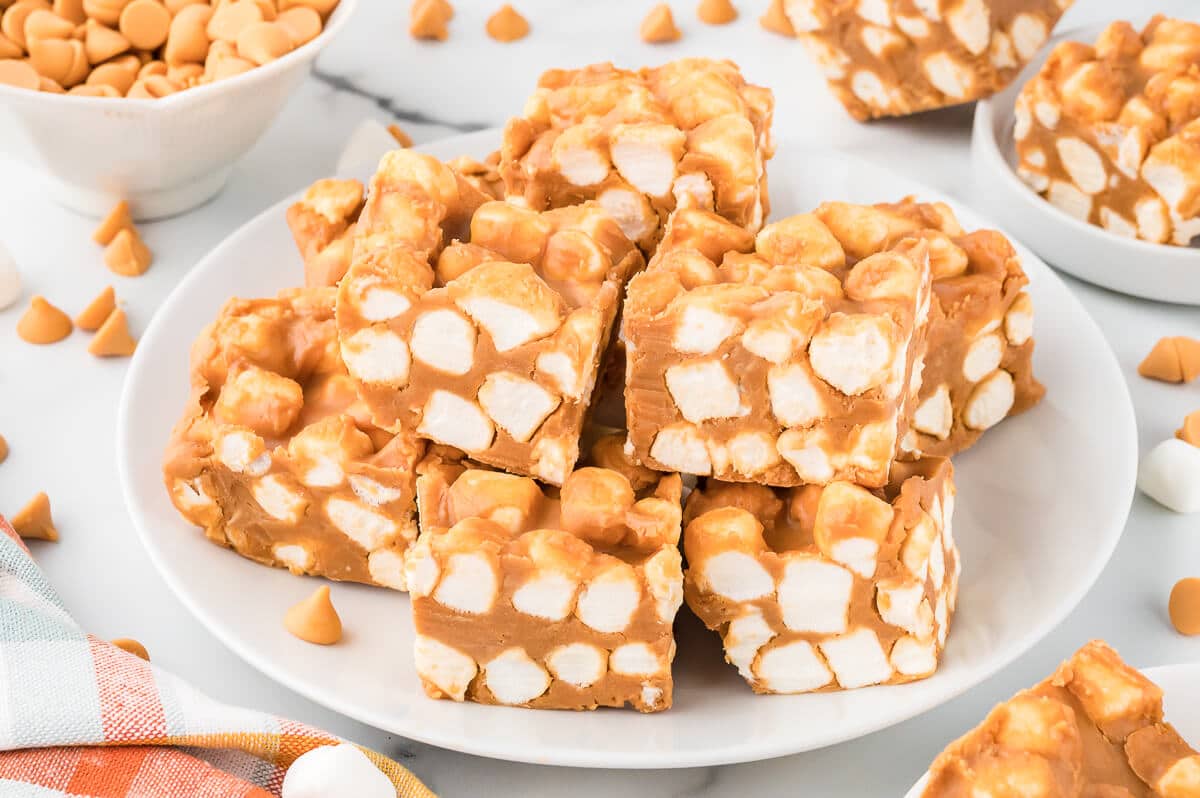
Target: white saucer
column 1128, row 265
column 1181, row 705
column 1042, row 502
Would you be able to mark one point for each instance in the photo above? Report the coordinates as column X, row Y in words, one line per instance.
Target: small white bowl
column 162, row 156
column 1131, row 266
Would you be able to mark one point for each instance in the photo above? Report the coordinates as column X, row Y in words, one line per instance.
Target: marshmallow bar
column 322, row 225
column 978, row 366
column 691, row 133
column 1094, row 728
column 826, row 588
column 1110, row 133
column 898, row 57
column 479, row 324
column 786, row 358
column 525, row 598
column 277, row 458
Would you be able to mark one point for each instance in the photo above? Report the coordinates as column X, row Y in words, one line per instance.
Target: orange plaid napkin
column 80, row 717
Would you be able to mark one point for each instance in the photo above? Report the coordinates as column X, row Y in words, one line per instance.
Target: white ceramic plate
column 1131, row 266
column 1181, row 705
column 1042, row 502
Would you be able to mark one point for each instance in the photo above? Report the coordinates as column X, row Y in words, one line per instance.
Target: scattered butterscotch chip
column 118, row 219
column 34, row 522
column 18, row 73
column 43, row 323
column 1173, row 359
column 113, row 338
column 776, row 20
column 1190, row 431
column 716, row 12
column 99, row 309
column 402, row 138
column 132, row 646
column 3, row 449
column 127, row 255
column 659, row 26
column 507, row 25
column 314, row 620
column 428, row 19
column 1184, row 606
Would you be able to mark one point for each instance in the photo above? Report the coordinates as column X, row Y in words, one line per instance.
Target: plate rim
column 579, row 757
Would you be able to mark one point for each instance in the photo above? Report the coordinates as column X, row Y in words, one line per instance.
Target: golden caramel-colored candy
column 716, row 12
column 43, row 24
column 102, row 43
column 428, row 19
column 402, row 138
column 126, row 255
column 659, row 26
column 113, row 338
column 96, row 90
column 315, row 620
column 12, row 24
column 507, row 25
column 71, row 10
column 1173, row 359
column 1190, row 431
column 92, row 317
column 145, row 24
column 118, row 219
column 131, row 646
column 43, row 323
column 230, row 19
column 263, row 42
column 119, row 76
column 1184, row 606
column 18, row 73
column 34, row 521
column 302, row 24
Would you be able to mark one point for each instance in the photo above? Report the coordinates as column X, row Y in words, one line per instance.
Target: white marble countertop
column 58, row 405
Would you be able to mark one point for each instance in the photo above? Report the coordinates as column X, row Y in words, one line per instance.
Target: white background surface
column 58, row 404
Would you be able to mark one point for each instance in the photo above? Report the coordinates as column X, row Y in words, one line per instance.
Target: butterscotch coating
column 978, row 366
column 527, row 599
column 478, row 323
column 322, row 225
column 898, row 57
column 277, row 458
column 1094, row 728
column 690, row 133
column 784, row 359
column 1110, row 132
column 825, row 588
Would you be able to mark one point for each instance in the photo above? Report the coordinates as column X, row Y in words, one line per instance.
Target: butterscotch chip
column 99, row 309
column 51, row 86
column 145, row 24
column 132, row 646
column 322, row 7
column 263, row 42
column 428, row 19
column 716, row 12
column 113, row 338
column 152, row 68
column 507, row 25
column 315, row 620
column 302, row 24
column 1173, row 359
column 659, row 26
column 3, row 449
column 100, row 90
column 107, row 12
column 185, row 74
column 18, row 73
column 43, row 323
column 402, row 138
column 71, row 10
column 188, row 38
column 34, row 522
column 119, row 76
column 152, row 87
column 61, row 60
column 1190, row 431
column 118, row 219
column 175, row 6
column 43, row 24
column 230, row 19
column 12, row 24
column 9, row 48
column 102, row 43
column 267, row 7
column 127, row 255
column 227, row 67
column 1184, row 606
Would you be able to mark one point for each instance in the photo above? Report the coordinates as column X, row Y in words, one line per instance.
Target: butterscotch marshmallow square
column 532, row 597
column 783, row 358
column 1095, row 727
column 480, row 328
column 978, row 366
column 277, row 458
column 898, row 57
column 691, row 133
column 322, row 225
column 829, row 587
column 1110, row 132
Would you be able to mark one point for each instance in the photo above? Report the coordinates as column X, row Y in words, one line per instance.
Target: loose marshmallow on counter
column 335, row 771
column 10, row 278
column 1170, row 474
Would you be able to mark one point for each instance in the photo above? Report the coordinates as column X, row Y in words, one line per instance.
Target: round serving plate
column 1042, row 501
column 1090, row 252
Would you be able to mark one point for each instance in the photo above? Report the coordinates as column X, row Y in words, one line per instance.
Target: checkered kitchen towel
column 80, row 717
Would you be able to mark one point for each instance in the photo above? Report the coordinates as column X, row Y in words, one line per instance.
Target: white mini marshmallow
column 814, row 595
column 335, row 771
column 1083, row 164
column 325, row 473
column 548, row 596
column 857, row 659
column 858, row 554
column 990, row 401
column 804, row 453
column 970, row 22
column 911, row 657
column 794, row 398
column 10, row 278
column 681, row 448
column 372, row 492
column 579, row 664
column 236, row 452
column 277, row 499
column 386, row 566
column 1069, row 199
column 983, row 357
column 1170, row 474
column 421, row 570
column 559, row 367
column 935, row 416
column 701, row 330
column 381, row 304
column 444, row 340
column 514, row 678
column 941, row 614
column 366, row 145
column 747, row 633
column 1028, row 35
column 948, row 75
column 902, row 604
column 448, row 669
column 751, row 453
column 469, row 584
column 508, row 325
column 664, row 580
column 737, row 576
column 634, row 659
column 704, row 391
column 454, row 421
column 297, row 558
column 516, row 404
column 608, row 602
column 377, row 356
column 792, row 668
column 365, row 527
